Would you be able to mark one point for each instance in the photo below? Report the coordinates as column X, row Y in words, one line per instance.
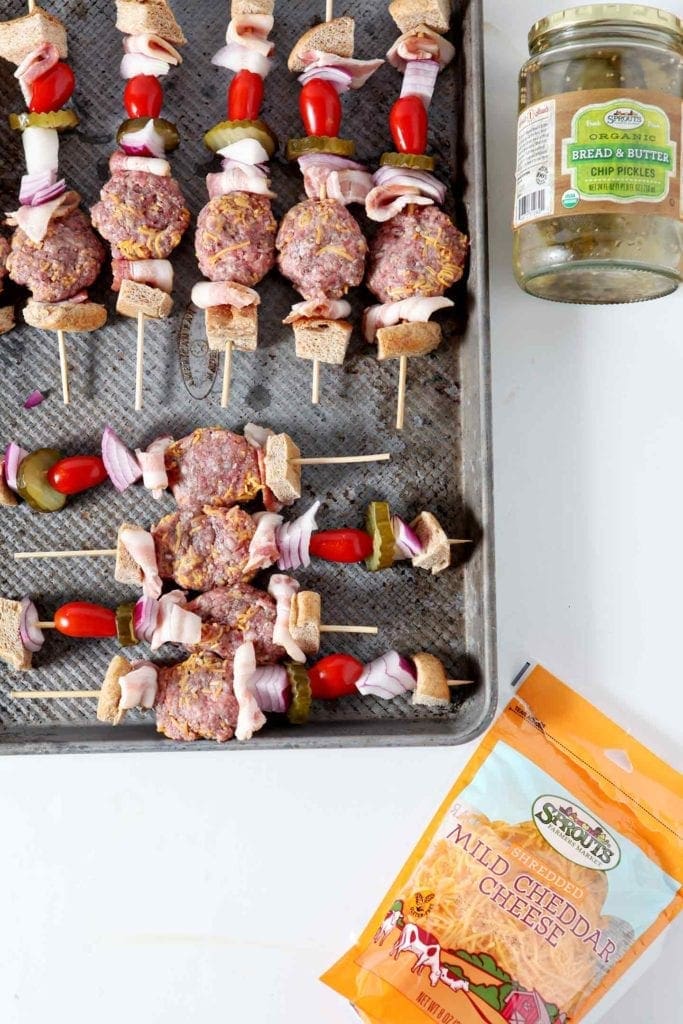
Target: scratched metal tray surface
column 441, row 461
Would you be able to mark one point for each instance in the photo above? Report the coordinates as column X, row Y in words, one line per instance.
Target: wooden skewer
column 329, row 10
column 333, row 460
column 227, row 375
column 75, row 553
column 46, row 625
column 64, row 367
column 139, row 361
column 402, row 380
column 315, row 390
column 369, row 630
column 452, row 542
column 51, row 694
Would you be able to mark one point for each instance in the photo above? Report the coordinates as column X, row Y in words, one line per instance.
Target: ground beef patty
column 418, row 252
column 214, row 467
column 143, row 216
column 234, row 616
column 202, row 550
column 195, row 699
column 235, row 239
column 321, row 249
column 67, row 260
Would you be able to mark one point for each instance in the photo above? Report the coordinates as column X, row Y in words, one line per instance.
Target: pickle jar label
column 599, row 151
column 620, row 150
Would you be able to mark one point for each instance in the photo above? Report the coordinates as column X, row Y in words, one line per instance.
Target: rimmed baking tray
column 441, row 461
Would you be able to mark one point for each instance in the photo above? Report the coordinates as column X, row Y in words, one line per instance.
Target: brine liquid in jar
column 598, row 214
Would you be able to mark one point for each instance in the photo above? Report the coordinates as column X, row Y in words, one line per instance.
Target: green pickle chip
column 378, row 525
column 59, row 119
column 32, row 482
column 300, row 709
column 125, row 630
column 320, row 144
column 227, row 132
column 416, row 161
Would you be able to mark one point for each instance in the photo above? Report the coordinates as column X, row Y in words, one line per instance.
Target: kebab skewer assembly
column 235, row 239
column 321, row 247
column 142, row 212
column 54, row 251
column 417, row 253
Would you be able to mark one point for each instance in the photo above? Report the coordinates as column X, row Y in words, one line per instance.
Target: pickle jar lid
column 600, row 14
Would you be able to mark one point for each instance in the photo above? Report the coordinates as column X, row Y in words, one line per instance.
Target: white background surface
column 186, row 889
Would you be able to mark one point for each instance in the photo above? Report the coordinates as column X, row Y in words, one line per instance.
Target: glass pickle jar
column 598, row 212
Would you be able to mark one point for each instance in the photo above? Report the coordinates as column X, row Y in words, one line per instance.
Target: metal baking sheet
column 441, row 461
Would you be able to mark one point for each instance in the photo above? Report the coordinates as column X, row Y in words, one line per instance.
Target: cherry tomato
column 52, row 90
column 143, row 96
column 409, row 124
column 79, row 618
column 320, row 108
column 245, row 96
column 345, row 545
column 78, row 473
column 335, row 676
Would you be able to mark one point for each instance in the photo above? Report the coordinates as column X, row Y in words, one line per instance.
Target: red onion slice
column 46, row 195
column 34, row 399
column 236, row 57
column 120, row 463
column 144, row 142
column 134, row 64
column 294, row 539
column 408, row 543
column 340, row 79
column 272, row 689
column 33, row 183
column 31, row 636
column 13, row 456
column 145, row 618
column 419, row 79
column 389, row 676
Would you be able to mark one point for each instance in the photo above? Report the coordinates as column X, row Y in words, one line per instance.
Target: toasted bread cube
column 324, row 340
column 436, row 551
column 408, row 340
column 432, row 685
column 11, row 648
column 304, row 621
column 6, row 319
column 73, row 317
column 126, row 569
column 137, row 298
column 108, row 705
column 239, row 7
column 7, row 496
column 283, row 476
column 336, row 36
column 138, row 17
column 22, row 35
column 410, row 14
column 228, row 324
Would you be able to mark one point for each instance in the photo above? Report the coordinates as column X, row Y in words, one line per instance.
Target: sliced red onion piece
column 256, row 435
column 41, row 150
column 46, row 195
column 34, row 399
column 119, row 461
column 33, row 183
column 237, row 58
column 31, row 636
column 419, row 79
column 294, row 539
column 331, row 160
column 272, row 689
column 408, row 543
column 389, row 676
column 145, row 618
column 428, row 184
column 341, row 80
column 134, row 64
column 13, row 456
column 144, row 142
column 246, row 151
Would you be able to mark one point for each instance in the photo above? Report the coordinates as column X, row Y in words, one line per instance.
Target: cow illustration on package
column 392, row 920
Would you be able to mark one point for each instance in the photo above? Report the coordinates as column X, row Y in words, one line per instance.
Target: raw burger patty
column 195, row 699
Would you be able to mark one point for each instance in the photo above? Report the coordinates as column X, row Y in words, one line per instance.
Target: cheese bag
column 554, row 861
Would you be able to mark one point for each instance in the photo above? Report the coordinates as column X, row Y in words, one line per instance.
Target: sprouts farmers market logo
column 624, row 117
column 575, row 834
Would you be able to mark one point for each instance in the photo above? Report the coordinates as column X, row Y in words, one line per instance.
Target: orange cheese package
column 554, row 861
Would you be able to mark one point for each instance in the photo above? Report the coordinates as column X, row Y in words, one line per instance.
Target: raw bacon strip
column 224, row 293
column 175, row 625
column 139, row 687
column 427, row 183
column 140, row 546
column 250, row 718
column 263, row 548
column 385, row 201
column 326, row 309
column 156, row 273
column 256, row 435
column 152, row 46
column 251, row 31
column 359, row 71
column 120, row 161
column 34, row 65
column 414, row 310
column 420, row 44
column 153, row 465
column 34, row 221
column 239, row 179
column 282, row 589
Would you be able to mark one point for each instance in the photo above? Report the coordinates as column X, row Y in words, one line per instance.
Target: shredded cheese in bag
column 550, row 866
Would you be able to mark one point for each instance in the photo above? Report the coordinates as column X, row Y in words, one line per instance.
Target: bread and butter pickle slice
column 320, row 144
column 299, row 710
column 32, row 482
column 415, row 161
column 378, row 525
column 166, row 130
column 60, row 120
column 125, row 629
column 227, row 132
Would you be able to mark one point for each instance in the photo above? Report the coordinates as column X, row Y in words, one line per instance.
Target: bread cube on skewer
column 21, row 36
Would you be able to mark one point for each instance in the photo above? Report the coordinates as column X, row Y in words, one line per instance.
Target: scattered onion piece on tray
column 34, row 399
